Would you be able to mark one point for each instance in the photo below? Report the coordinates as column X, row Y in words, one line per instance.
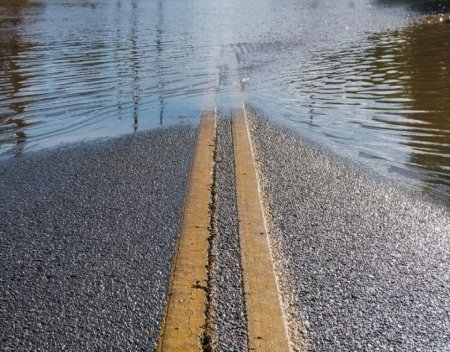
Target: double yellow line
column 185, row 319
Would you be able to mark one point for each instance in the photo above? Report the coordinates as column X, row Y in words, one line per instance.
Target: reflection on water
column 13, row 120
column 428, row 7
column 134, row 60
column 425, row 60
column 354, row 75
column 386, row 99
column 74, row 70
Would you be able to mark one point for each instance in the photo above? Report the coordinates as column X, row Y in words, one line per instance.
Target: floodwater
column 369, row 79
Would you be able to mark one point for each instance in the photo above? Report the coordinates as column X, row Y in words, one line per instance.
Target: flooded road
column 368, row 79
column 384, row 100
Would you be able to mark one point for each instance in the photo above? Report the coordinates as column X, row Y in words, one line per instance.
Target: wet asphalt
column 88, row 234
column 87, row 238
column 364, row 262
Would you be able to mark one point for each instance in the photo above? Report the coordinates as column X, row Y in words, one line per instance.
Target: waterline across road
column 359, row 261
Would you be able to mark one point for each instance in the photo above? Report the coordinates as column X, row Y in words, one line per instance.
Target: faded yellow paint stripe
column 266, row 325
column 185, row 312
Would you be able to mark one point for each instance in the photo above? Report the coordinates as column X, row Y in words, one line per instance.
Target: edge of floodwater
column 91, row 143
column 410, row 190
column 294, row 312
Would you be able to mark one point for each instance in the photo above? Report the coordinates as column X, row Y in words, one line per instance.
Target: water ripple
column 355, row 75
column 387, row 97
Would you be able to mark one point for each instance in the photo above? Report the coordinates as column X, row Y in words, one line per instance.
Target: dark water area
column 427, row 7
column 366, row 78
column 384, row 100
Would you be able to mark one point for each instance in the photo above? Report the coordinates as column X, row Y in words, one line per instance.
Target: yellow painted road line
column 185, row 312
column 266, row 325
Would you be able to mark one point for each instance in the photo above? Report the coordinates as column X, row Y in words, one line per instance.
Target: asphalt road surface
column 364, row 264
column 87, row 238
column 88, row 234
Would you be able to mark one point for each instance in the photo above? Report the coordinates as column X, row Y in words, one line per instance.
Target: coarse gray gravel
column 226, row 278
column 365, row 262
column 87, row 237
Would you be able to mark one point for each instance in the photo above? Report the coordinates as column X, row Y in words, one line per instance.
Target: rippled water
column 385, row 98
column 368, row 78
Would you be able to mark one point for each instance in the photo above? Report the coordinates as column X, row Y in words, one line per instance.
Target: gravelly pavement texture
column 87, row 238
column 367, row 262
column 231, row 328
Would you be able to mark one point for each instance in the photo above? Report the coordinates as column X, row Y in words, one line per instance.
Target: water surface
column 384, row 99
column 367, row 78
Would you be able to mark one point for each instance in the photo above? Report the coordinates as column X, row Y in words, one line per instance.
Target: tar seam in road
column 226, row 279
column 208, row 338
